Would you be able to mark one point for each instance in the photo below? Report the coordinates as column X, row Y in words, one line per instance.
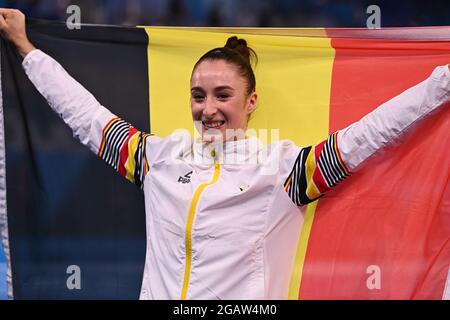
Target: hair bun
column 234, row 42
column 240, row 46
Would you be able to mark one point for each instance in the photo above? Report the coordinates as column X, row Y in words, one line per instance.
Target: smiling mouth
column 213, row 124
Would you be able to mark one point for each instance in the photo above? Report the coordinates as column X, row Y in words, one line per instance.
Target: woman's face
column 219, row 99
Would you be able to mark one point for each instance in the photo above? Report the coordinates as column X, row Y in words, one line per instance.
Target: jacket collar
column 229, row 152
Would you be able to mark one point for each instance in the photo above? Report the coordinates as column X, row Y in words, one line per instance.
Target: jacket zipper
column 189, row 225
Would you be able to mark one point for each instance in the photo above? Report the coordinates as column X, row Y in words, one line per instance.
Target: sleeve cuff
column 447, row 71
column 441, row 73
column 29, row 57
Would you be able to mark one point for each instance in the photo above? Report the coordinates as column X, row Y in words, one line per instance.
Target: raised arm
column 380, row 127
column 321, row 167
column 114, row 140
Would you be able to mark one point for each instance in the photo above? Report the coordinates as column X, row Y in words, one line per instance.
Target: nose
column 210, row 109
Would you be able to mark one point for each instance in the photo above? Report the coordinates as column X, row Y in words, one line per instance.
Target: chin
column 213, row 136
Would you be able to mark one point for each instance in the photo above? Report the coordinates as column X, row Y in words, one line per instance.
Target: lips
column 213, row 124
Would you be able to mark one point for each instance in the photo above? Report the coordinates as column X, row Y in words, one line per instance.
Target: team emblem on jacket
column 244, row 187
column 186, row 178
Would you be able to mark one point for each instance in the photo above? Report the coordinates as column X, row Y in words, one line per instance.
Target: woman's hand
column 12, row 28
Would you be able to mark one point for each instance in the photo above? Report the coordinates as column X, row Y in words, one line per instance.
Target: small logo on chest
column 244, row 187
column 186, row 178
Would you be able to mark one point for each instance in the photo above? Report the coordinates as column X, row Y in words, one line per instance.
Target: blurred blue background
column 282, row 13
column 2, row 274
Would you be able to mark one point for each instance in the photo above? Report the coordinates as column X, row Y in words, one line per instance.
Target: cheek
column 196, row 110
column 236, row 113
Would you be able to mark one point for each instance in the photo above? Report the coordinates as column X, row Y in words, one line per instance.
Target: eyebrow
column 216, row 89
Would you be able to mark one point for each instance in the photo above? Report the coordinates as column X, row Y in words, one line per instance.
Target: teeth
column 213, row 125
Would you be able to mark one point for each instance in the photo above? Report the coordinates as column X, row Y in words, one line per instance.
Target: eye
column 223, row 96
column 198, row 97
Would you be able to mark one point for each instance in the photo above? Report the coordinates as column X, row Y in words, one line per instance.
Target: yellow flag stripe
column 293, row 84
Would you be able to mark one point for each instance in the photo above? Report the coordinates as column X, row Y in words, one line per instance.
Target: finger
column 4, row 11
column 3, row 23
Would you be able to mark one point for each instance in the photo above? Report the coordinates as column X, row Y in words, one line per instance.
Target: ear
column 251, row 102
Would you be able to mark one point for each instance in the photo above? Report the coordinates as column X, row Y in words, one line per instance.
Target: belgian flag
column 382, row 234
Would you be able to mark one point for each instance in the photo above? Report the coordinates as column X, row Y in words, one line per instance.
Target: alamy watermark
column 234, row 147
column 373, row 282
column 74, row 19
column 374, row 20
column 73, row 281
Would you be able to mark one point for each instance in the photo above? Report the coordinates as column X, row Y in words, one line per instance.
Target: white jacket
column 220, row 228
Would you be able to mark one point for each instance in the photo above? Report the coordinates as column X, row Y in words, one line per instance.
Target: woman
column 222, row 212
